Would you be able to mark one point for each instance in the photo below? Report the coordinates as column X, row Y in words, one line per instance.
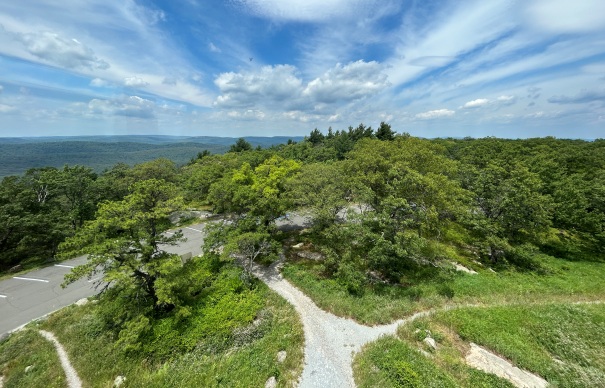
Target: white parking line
column 31, row 279
column 64, row 266
column 3, row 296
column 197, row 230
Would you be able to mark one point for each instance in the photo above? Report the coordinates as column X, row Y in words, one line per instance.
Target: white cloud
column 281, row 88
column 506, row 100
column 564, row 16
column 247, row 114
column 476, row 103
column 345, row 83
column 435, row 114
column 135, row 82
column 129, row 106
column 1, row 88
column 310, row 10
column 99, row 83
column 213, row 48
column 6, row 108
column 270, row 84
column 54, row 49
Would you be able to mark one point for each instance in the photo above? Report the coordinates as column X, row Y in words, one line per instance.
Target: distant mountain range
column 18, row 154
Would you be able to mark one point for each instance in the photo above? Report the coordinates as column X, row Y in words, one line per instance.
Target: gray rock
column 82, row 302
column 486, row 361
column 271, row 382
column 298, row 246
column 430, row 341
column 119, row 381
column 461, row 268
column 28, row 368
column 281, row 356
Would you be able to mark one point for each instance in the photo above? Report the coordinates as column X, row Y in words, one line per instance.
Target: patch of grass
column 27, row 348
column 390, row 362
column 561, row 342
column 247, row 363
column 243, row 356
column 559, row 281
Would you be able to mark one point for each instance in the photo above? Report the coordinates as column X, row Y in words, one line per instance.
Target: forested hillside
column 17, row 155
column 390, row 215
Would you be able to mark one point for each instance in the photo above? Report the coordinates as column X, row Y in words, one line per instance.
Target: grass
column 27, row 348
column 563, row 343
column 559, row 280
column 390, row 362
column 246, row 357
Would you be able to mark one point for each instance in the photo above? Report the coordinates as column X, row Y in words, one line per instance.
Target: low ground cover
column 28, row 360
column 561, row 342
column 431, row 287
column 232, row 339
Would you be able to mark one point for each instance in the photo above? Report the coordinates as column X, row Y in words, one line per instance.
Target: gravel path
column 330, row 341
column 73, row 381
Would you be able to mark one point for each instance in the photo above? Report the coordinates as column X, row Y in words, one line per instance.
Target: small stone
column 462, row 268
column 426, row 354
column 298, row 246
column 271, row 383
column 28, row 368
column 82, row 302
column 119, row 381
column 430, row 341
column 281, row 356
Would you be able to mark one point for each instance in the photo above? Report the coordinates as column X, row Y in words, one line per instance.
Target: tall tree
column 125, row 243
column 240, row 145
column 384, row 132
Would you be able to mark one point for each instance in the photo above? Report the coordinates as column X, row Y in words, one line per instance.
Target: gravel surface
column 330, row 341
column 73, row 381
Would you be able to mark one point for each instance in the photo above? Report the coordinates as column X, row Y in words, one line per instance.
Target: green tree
column 508, row 207
column 126, row 243
column 240, row 145
column 384, row 132
column 259, row 192
column 315, row 137
column 323, row 189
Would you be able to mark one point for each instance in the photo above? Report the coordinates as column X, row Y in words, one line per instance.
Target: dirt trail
column 330, row 341
column 73, row 381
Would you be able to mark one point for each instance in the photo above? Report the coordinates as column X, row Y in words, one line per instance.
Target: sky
column 431, row 68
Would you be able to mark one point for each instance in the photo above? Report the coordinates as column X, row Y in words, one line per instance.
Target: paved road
column 37, row 293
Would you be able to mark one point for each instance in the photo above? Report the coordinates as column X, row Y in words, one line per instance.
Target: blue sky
column 506, row 68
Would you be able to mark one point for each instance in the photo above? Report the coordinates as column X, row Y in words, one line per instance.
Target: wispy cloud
column 442, row 65
column 580, row 98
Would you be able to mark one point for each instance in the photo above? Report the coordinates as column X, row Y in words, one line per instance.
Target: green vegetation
column 27, row 359
column 231, row 338
column 390, row 216
column 561, row 342
column 390, row 362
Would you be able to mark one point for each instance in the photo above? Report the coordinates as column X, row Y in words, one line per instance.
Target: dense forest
column 499, row 200
column 384, row 209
